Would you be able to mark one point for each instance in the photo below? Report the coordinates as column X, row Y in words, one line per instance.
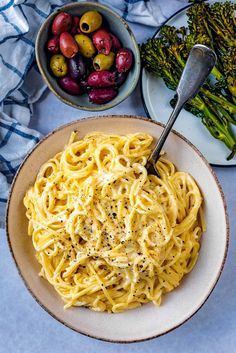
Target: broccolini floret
column 166, row 56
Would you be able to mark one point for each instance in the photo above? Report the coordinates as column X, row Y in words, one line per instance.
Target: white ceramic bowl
column 148, row 321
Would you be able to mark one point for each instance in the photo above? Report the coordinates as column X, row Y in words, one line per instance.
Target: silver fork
column 200, row 62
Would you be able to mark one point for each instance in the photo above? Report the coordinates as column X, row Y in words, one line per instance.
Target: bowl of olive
column 88, row 56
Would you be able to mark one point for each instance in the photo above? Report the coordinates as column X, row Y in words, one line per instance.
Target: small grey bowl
column 118, row 26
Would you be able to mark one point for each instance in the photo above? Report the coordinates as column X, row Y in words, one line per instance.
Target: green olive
column 103, row 62
column 86, row 47
column 58, row 65
column 90, row 21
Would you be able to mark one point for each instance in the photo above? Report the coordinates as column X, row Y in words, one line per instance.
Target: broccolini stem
column 225, row 114
column 232, row 154
column 217, row 127
column 230, row 107
column 232, row 86
column 217, row 74
column 220, row 132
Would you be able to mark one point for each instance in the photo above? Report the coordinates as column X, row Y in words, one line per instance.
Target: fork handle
column 174, row 115
column 200, row 62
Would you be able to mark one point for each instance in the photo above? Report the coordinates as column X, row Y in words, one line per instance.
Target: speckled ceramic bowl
column 147, row 321
column 118, row 26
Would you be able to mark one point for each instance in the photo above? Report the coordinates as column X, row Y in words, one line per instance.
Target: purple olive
column 116, row 45
column 124, row 60
column 102, row 95
column 61, row 23
column 102, row 41
column 77, row 67
column 70, row 86
column 85, row 86
column 120, row 78
column 75, row 25
column 68, row 45
column 101, row 79
column 53, row 45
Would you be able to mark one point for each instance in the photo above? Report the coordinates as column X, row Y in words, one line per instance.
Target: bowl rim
column 45, row 73
column 135, row 117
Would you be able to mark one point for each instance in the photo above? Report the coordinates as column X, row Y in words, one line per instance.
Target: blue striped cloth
column 20, row 82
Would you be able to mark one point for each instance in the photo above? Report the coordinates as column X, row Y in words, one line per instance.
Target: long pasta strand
column 108, row 235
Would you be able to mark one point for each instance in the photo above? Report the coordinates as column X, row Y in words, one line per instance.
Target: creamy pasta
column 107, row 235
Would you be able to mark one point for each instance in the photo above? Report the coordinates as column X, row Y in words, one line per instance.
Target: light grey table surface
column 26, row 328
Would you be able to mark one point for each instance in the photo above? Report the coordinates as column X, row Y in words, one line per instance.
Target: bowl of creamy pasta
column 107, row 249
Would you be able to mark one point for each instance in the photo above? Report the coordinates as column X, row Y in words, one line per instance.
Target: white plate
column 148, row 321
column 156, row 97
